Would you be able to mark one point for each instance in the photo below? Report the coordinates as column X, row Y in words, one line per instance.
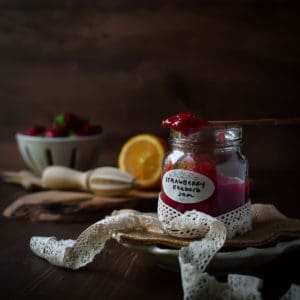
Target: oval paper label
column 187, row 186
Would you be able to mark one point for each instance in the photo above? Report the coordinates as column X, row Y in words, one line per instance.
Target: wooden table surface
column 118, row 272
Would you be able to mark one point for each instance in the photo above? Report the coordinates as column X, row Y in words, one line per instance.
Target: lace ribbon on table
column 193, row 259
column 75, row 254
column 293, row 293
column 237, row 221
column 238, row 287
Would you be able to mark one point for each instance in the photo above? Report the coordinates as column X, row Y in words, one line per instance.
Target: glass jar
column 205, row 171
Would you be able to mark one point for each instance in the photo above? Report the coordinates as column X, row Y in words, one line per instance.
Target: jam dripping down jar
column 205, row 171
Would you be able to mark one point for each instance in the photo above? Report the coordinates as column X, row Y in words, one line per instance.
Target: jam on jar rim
column 188, row 128
column 187, row 123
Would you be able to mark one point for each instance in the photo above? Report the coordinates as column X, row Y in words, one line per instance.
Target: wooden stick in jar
column 287, row 121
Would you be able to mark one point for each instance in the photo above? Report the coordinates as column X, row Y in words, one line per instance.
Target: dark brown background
column 129, row 64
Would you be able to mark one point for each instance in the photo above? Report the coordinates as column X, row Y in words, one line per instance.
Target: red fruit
column 35, row 130
column 168, row 166
column 69, row 121
column 203, row 165
column 221, row 137
column 187, row 163
column 56, row 132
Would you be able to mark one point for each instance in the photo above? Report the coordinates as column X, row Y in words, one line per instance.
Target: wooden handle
column 56, row 177
column 288, row 121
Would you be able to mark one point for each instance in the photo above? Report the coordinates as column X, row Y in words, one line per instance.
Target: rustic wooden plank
column 142, row 62
column 119, row 272
column 90, row 36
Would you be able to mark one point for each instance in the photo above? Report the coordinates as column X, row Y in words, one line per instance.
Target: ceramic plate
column 224, row 262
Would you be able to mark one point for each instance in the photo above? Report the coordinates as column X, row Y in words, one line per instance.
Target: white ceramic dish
column 224, row 262
column 74, row 152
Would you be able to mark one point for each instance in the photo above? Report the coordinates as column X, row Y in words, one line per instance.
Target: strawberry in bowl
column 69, row 141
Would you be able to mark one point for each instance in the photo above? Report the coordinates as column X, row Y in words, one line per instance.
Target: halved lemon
column 142, row 156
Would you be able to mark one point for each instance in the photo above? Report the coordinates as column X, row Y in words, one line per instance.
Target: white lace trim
column 238, row 287
column 245, row 287
column 237, row 221
column 75, row 254
column 193, row 259
column 293, row 293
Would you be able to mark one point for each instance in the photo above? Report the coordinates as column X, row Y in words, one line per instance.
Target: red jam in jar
column 205, row 169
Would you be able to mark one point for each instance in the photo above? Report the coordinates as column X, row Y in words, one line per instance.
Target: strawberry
column 202, row 164
column 68, row 120
column 168, row 166
column 187, row 163
column 56, row 132
column 35, row 130
column 65, row 124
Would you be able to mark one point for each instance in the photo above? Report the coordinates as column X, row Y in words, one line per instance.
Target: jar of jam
column 205, row 169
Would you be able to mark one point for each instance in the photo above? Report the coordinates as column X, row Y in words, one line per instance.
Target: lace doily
column 75, row 254
column 237, row 221
column 238, row 287
column 293, row 293
column 193, row 259
column 245, row 287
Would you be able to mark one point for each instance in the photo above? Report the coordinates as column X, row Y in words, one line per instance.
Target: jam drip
column 187, row 123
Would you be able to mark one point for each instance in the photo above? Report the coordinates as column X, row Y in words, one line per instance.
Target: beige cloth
column 194, row 256
column 269, row 226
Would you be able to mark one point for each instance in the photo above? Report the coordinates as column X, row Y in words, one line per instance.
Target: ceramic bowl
column 75, row 152
column 239, row 261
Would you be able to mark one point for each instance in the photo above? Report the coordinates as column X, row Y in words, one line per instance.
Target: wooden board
column 129, row 64
column 66, row 206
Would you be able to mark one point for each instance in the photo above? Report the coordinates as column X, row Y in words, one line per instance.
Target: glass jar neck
column 218, row 138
